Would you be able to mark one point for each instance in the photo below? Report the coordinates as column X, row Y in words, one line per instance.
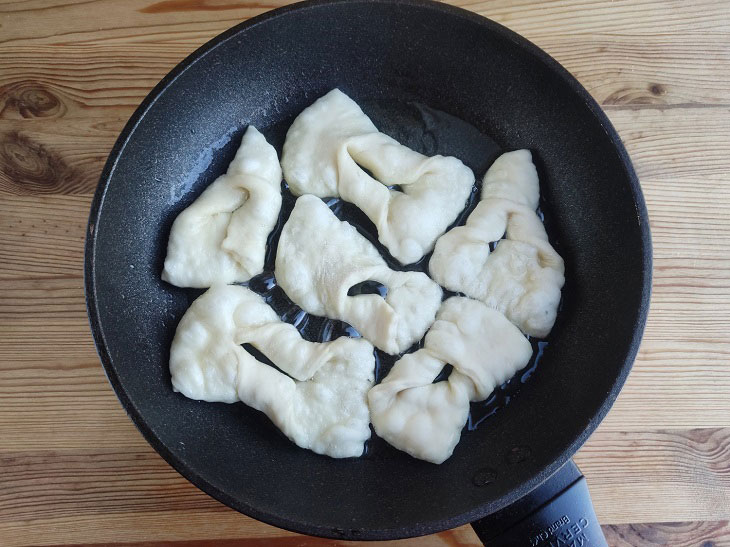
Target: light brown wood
column 658, row 475
column 676, row 534
column 73, row 470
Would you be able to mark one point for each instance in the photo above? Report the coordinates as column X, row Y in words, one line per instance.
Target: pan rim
column 280, row 520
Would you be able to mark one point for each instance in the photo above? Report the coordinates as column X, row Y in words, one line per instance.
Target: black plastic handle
column 559, row 512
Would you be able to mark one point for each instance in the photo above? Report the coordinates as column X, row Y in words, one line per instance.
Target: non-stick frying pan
column 442, row 80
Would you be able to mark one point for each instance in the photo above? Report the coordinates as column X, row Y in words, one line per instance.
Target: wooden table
column 73, row 469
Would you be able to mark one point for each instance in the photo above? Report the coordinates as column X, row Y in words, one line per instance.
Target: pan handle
column 558, row 512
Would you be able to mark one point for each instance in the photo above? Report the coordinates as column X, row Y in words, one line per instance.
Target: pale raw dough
column 425, row 419
column 325, row 409
column 523, row 276
column 221, row 236
column 329, row 142
column 320, row 258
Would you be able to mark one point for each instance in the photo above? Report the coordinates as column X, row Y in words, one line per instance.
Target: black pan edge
column 310, row 528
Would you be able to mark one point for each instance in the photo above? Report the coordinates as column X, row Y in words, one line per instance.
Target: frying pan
column 441, row 80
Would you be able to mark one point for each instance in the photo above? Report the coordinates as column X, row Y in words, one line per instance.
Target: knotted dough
column 221, row 236
column 320, row 258
column 425, row 419
column 523, row 276
column 323, row 408
column 330, row 143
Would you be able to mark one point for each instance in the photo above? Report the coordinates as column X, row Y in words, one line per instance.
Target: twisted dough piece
column 327, row 145
column 523, row 276
column 320, row 258
column 324, row 408
column 425, row 419
column 221, row 236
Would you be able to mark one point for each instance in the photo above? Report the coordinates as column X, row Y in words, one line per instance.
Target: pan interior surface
column 395, row 59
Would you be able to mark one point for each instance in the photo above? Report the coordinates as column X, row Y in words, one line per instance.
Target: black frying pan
column 418, row 68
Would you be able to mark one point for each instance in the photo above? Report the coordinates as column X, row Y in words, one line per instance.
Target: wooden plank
column 92, row 81
column 63, row 484
column 79, row 81
column 628, row 18
column 682, row 388
column 687, row 224
column 631, row 476
column 54, row 156
column 462, row 537
column 676, row 152
column 676, row 534
column 43, row 236
column 646, row 71
column 676, row 144
column 106, row 21
column 100, row 497
column 636, row 476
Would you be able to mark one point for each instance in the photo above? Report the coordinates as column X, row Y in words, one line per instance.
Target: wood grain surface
column 73, row 470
